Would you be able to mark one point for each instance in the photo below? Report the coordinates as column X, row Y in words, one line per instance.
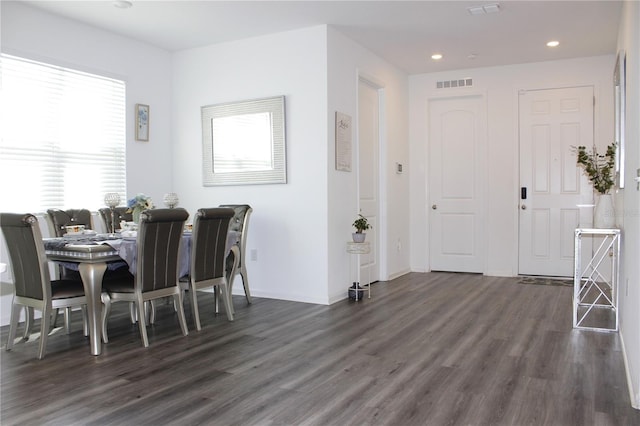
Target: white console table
column 359, row 249
column 595, row 285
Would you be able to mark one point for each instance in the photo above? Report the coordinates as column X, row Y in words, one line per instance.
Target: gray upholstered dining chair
column 60, row 219
column 119, row 213
column 33, row 287
column 159, row 236
column 209, row 259
column 240, row 223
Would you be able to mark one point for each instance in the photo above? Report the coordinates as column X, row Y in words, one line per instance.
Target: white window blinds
column 62, row 137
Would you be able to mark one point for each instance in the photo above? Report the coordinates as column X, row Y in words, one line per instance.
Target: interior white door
column 552, row 122
column 457, row 140
column 368, row 172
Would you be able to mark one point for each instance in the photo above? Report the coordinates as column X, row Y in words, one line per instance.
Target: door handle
column 523, row 207
column 434, row 207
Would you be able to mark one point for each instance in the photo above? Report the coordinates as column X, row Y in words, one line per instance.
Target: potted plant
column 599, row 168
column 361, row 224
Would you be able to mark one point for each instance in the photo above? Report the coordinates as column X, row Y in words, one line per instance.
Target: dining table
column 92, row 254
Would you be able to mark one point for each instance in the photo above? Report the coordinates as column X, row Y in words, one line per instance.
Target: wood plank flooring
column 426, row 349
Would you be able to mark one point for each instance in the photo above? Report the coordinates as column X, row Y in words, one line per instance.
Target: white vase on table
column 604, row 215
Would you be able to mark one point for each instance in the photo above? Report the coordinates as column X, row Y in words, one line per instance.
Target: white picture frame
column 142, row 122
column 343, row 141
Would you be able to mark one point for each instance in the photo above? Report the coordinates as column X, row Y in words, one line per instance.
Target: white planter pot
column 604, row 215
column 358, row 237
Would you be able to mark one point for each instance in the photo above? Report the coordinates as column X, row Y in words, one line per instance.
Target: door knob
column 434, row 207
column 523, row 207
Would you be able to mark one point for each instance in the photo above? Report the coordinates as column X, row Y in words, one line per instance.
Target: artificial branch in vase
column 598, row 167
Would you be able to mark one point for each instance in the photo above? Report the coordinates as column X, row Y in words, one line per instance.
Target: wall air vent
column 464, row 82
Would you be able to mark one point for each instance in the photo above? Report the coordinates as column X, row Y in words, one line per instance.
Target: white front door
column 368, row 173
column 457, row 146
column 552, row 123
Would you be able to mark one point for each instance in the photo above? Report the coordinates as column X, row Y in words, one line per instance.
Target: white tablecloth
column 128, row 250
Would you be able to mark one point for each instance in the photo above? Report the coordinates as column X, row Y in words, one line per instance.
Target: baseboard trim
column 398, row 274
column 633, row 396
column 505, row 273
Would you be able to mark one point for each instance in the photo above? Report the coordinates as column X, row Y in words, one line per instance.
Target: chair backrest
column 208, row 244
column 240, row 223
column 159, row 236
column 119, row 213
column 62, row 218
column 26, row 251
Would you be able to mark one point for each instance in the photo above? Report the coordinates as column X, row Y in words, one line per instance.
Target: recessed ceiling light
column 436, row 56
column 491, row 8
column 122, row 4
column 553, row 43
column 484, row 9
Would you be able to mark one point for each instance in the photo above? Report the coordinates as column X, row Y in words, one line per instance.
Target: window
column 63, row 138
column 243, row 143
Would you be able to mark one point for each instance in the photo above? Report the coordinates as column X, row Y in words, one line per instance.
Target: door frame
column 378, row 85
column 515, row 265
column 483, row 94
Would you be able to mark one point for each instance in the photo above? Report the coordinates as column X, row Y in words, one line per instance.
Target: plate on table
column 81, row 234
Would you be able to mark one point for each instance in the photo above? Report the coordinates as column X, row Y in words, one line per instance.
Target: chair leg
column 67, row 320
column 183, row 322
column 226, row 299
column 13, row 324
column 28, row 322
column 245, row 283
column 85, row 321
column 152, row 311
column 216, row 299
column 142, row 323
column 55, row 317
column 106, row 308
column 132, row 312
column 44, row 332
column 194, row 308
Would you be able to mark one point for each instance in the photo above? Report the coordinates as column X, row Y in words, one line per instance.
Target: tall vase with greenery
column 599, row 168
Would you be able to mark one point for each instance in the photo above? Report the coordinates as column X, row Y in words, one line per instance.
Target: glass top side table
column 595, row 285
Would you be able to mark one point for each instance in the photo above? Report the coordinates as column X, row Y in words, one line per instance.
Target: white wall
column 346, row 61
column 288, row 227
column 500, row 85
column 31, row 33
column 629, row 41
column 299, row 229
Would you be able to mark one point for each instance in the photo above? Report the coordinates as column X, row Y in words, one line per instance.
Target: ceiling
column 405, row 33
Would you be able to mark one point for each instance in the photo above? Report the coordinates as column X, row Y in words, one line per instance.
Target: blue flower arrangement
column 140, row 201
column 137, row 204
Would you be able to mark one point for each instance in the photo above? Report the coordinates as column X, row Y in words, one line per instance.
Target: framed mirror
column 243, row 143
column 619, row 111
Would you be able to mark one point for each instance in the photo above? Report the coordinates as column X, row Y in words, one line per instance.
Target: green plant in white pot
column 599, row 168
column 361, row 224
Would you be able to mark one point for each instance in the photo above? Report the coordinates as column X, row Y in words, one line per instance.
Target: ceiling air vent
column 465, row 82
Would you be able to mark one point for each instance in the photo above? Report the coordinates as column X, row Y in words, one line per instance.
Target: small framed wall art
column 142, row 122
column 343, row 142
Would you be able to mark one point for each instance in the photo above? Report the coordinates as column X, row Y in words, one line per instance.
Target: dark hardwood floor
column 426, row 349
